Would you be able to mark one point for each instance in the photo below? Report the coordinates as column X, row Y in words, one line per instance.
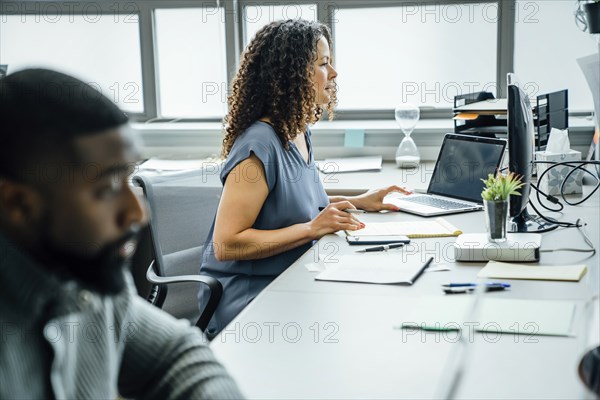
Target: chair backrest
column 182, row 209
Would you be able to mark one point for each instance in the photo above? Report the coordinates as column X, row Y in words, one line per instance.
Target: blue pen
column 471, row 289
column 490, row 284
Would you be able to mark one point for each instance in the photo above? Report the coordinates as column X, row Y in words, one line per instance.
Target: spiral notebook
column 438, row 227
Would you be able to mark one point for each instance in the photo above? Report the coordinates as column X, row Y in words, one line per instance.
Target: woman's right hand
column 333, row 219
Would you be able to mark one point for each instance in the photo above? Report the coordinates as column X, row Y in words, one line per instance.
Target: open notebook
column 438, row 227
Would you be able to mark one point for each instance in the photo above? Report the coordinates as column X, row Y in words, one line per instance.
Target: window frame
column 80, row 8
column 234, row 35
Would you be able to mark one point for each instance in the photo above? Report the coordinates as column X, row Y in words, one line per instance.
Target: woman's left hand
column 373, row 199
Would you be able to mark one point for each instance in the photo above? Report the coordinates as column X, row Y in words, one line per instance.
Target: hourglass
column 407, row 154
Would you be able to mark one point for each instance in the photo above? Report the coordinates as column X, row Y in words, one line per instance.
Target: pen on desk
column 488, row 284
column 381, row 248
column 354, row 211
column 348, row 210
column 423, row 268
column 471, row 289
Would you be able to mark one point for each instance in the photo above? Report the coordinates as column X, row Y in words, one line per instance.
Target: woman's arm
column 242, row 200
column 372, row 200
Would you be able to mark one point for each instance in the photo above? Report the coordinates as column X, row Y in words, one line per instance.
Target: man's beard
column 103, row 272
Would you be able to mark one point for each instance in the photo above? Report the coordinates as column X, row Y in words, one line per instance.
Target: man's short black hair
column 42, row 111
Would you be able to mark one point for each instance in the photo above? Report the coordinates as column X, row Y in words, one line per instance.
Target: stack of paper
column 485, row 107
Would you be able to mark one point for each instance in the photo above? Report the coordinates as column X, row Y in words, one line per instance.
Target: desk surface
column 302, row 338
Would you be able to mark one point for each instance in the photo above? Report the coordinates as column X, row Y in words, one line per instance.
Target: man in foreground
column 71, row 325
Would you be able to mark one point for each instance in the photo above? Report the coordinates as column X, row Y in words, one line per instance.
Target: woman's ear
column 20, row 204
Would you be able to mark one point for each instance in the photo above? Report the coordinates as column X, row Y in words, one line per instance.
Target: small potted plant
column 495, row 195
column 591, row 8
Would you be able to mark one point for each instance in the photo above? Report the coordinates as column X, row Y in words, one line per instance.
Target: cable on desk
column 581, row 229
column 553, row 220
column 575, row 166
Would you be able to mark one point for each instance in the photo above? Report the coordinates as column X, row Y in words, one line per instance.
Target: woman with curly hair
column 269, row 214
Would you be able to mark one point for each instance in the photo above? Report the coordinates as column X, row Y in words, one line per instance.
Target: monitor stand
column 525, row 222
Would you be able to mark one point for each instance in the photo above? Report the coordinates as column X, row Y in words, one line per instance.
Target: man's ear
column 20, row 204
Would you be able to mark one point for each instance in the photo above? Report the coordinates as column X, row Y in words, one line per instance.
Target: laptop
column 455, row 184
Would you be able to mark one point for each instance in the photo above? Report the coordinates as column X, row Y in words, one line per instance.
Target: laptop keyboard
column 437, row 202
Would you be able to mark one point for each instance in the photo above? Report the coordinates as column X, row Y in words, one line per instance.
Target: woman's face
column 324, row 73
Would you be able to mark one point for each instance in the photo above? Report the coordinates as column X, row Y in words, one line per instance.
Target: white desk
column 306, row 339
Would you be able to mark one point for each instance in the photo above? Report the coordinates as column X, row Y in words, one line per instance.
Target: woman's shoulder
column 259, row 138
column 258, row 135
column 259, row 131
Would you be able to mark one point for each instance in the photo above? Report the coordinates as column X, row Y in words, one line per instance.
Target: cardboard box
column 553, row 179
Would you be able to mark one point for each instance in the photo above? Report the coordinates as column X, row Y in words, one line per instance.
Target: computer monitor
column 521, row 145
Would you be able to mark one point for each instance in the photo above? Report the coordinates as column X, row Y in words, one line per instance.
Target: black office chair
column 182, row 208
column 589, row 370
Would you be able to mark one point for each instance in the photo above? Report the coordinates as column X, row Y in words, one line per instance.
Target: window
column 386, row 52
column 257, row 16
column 191, row 64
column 103, row 50
column 547, row 45
column 422, row 54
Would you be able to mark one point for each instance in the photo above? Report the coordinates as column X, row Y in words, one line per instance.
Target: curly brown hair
column 275, row 80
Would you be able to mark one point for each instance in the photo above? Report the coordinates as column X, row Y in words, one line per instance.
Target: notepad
column 501, row 270
column 381, row 268
column 350, row 164
column 516, row 316
column 438, row 227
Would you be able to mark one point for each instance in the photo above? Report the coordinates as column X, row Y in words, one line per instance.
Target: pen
column 348, row 210
column 381, row 248
column 423, row 268
column 489, row 284
column 459, row 290
column 354, row 211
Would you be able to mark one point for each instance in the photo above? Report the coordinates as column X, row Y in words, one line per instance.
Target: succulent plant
column 500, row 187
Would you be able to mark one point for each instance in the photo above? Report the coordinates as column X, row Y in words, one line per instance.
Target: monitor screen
column 521, row 146
column 521, row 142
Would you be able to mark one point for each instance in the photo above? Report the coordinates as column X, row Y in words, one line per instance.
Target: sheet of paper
column 495, row 269
column 350, row 164
column 382, row 268
column 527, row 317
column 156, row 164
column 315, row 267
column 513, row 316
column 492, row 105
column 443, row 313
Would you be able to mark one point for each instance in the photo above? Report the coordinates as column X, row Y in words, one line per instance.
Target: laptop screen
column 462, row 163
